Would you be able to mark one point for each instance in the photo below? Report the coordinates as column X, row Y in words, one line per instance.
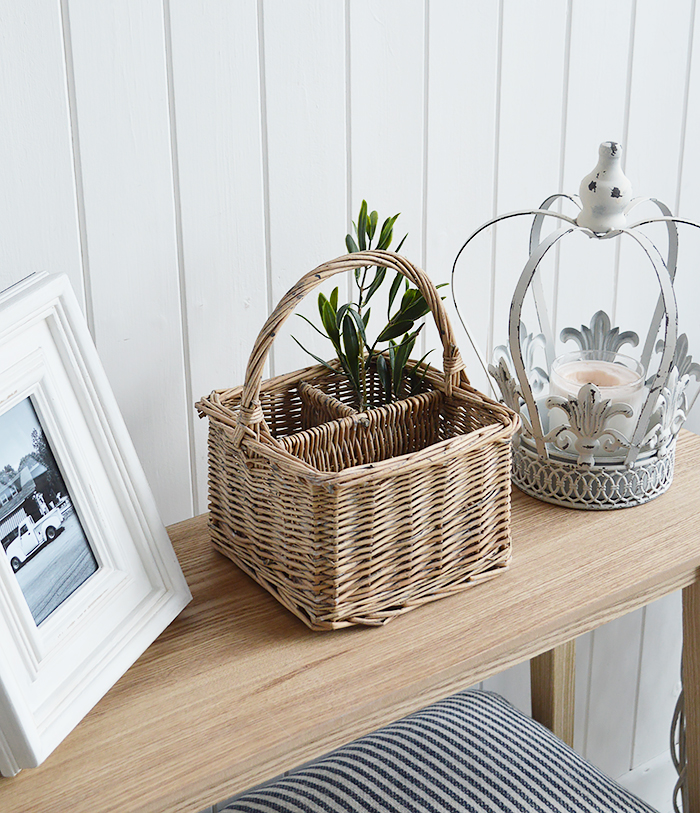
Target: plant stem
column 363, row 376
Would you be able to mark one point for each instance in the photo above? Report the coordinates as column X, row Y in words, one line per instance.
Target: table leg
column 691, row 695
column 552, row 678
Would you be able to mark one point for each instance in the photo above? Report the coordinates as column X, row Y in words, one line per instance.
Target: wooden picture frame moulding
column 53, row 671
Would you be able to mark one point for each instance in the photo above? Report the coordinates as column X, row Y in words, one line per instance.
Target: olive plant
column 346, row 325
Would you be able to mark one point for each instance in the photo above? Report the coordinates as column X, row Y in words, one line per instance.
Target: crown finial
column 605, row 192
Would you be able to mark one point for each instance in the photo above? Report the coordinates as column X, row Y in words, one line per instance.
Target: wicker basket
column 353, row 518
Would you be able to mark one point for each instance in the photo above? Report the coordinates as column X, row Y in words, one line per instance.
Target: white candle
column 619, row 379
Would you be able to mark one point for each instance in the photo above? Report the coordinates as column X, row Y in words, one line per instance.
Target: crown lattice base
column 591, row 488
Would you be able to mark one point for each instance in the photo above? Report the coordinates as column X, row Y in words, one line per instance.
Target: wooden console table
column 237, row 690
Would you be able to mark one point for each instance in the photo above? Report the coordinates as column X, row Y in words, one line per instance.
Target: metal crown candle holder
column 599, row 428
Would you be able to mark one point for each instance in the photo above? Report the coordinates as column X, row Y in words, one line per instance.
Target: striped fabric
column 470, row 752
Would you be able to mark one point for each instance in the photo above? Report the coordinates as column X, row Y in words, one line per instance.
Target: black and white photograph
column 41, row 534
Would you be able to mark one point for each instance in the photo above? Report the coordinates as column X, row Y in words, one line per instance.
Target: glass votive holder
column 619, row 378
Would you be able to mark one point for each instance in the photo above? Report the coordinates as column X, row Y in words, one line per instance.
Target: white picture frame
column 71, row 628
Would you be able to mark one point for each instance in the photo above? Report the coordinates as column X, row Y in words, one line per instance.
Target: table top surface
column 237, row 689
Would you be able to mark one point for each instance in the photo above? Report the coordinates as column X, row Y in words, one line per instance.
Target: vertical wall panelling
column 387, row 40
column 38, row 211
column 218, row 123
column 349, row 193
column 596, row 104
column 688, row 281
column 659, row 677
column 612, row 694
column 656, row 117
column 530, row 137
column 305, row 90
column 461, row 141
column 387, row 85
column 658, row 89
column 584, row 644
column 123, row 121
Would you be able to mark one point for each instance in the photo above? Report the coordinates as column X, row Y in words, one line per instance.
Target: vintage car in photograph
column 30, row 536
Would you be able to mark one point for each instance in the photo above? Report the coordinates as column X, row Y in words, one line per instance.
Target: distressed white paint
column 185, row 162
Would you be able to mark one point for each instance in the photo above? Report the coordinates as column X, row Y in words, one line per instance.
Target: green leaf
column 321, row 302
column 413, row 369
column 376, row 282
column 348, row 370
column 403, row 240
column 329, row 323
column 362, row 226
column 416, row 311
column 393, row 330
column 372, row 225
column 368, row 226
column 360, row 327
column 334, row 299
column 352, row 348
column 409, row 297
column 350, row 244
column 395, row 285
column 318, row 359
column 320, row 332
column 403, row 351
column 387, row 232
column 384, row 374
column 392, row 354
column 415, row 380
column 365, row 318
column 342, row 310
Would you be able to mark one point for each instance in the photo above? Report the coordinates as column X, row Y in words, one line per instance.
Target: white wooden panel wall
column 40, row 197
column 222, row 196
column 185, row 161
column 131, row 265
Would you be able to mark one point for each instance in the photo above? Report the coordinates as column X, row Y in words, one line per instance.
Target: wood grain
column 237, row 689
column 553, row 675
column 691, row 680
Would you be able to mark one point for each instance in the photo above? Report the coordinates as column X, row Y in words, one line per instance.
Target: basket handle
column 251, row 413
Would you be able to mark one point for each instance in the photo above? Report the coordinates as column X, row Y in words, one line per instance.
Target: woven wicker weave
column 352, row 518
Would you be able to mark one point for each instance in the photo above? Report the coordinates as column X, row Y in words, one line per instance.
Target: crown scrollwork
column 600, row 335
column 588, row 430
column 670, row 413
column 530, row 343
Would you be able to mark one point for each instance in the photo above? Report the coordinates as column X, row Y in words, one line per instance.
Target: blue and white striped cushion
column 470, row 752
